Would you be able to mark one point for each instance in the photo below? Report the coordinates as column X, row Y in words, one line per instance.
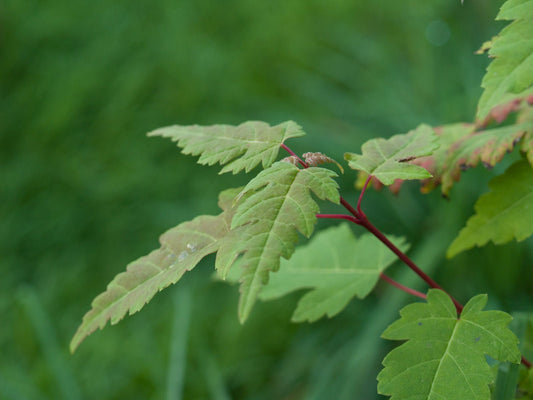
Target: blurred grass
column 84, row 191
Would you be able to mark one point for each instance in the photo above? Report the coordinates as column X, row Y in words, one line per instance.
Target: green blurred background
column 84, row 192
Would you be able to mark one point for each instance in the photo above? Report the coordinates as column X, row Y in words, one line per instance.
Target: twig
column 402, row 287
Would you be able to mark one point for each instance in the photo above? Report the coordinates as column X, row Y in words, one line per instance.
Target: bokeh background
column 83, row 191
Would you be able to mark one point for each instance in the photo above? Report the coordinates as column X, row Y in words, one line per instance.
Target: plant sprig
column 256, row 233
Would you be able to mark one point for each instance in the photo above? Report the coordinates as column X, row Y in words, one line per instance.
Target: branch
column 339, row 216
column 402, row 256
column 362, row 194
column 402, row 287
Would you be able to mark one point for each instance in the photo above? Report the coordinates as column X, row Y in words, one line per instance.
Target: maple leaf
column 509, row 75
column 462, row 146
column 450, row 138
column 391, row 159
column 182, row 248
column 266, row 222
column 238, row 148
column 471, row 148
column 336, row 266
column 503, row 214
column 444, row 356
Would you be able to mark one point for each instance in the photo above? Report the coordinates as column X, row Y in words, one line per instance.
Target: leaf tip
column 243, row 316
column 452, row 251
column 157, row 132
column 73, row 345
column 76, row 340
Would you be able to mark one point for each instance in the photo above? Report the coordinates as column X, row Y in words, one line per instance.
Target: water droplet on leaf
column 191, row 247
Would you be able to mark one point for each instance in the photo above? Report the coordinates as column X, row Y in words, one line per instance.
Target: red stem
column 292, row 153
column 402, row 287
column 339, row 216
column 372, row 229
column 362, row 194
column 349, row 207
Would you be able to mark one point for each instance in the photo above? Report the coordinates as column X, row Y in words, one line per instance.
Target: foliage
column 279, row 203
column 502, row 214
column 444, row 356
column 245, row 145
column 509, row 75
column 259, row 229
column 84, row 193
column 182, row 248
column 452, row 364
column 465, row 145
column 388, row 160
column 336, row 266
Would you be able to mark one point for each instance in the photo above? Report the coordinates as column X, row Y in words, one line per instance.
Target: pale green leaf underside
column 336, row 266
column 270, row 213
column 266, row 222
column 238, row 148
column 510, row 74
column 182, row 248
column 503, row 214
column 388, row 159
column 444, row 357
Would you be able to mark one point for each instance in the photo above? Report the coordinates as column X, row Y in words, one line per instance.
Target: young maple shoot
column 258, row 228
column 255, row 235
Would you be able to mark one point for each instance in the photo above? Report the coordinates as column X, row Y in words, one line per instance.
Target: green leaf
column 267, row 221
column 462, row 147
column 181, row 250
column 337, row 266
column 390, row 159
column 239, row 148
column 503, row 214
column 509, row 76
column 444, row 356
